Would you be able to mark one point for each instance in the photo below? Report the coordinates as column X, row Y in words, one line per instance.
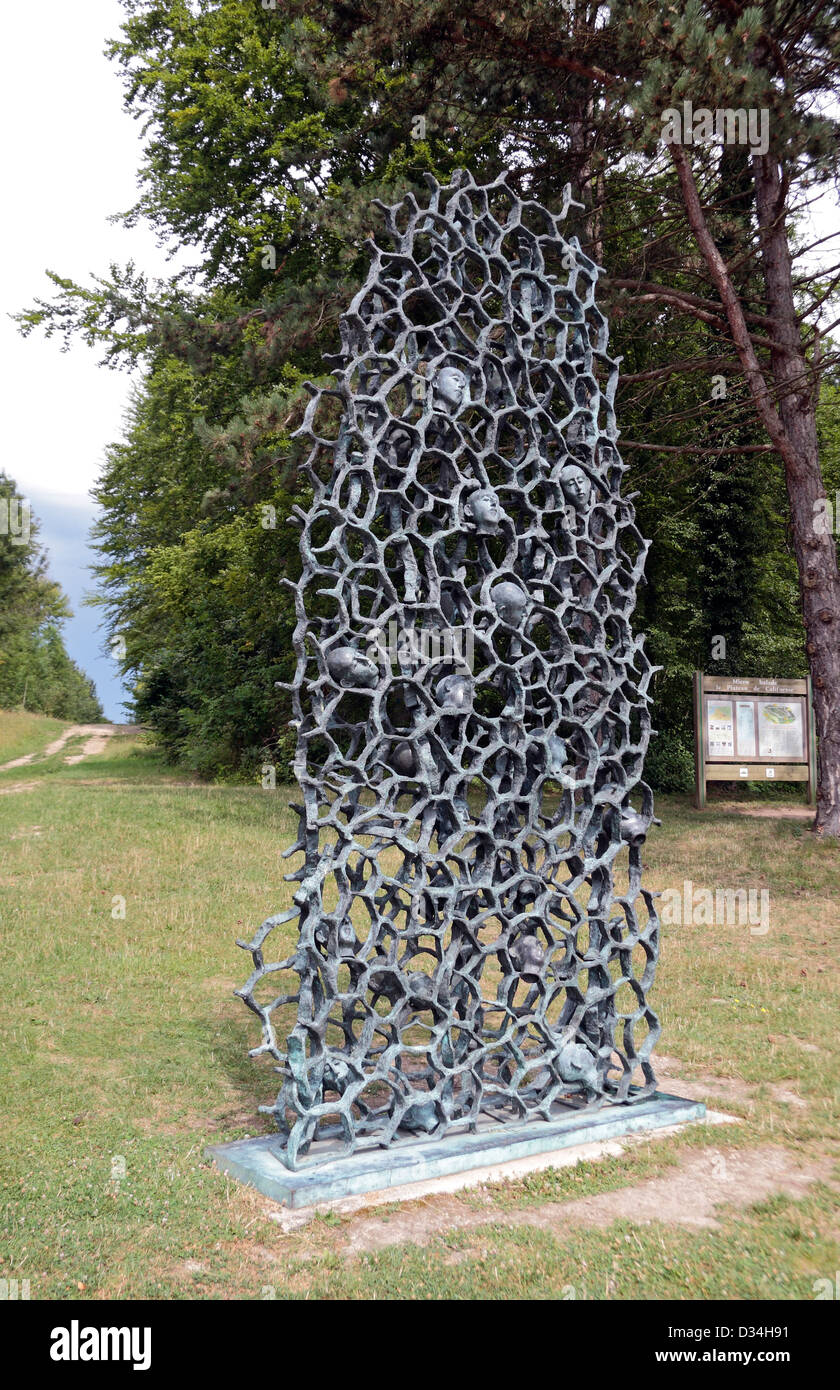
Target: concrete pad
column 479, row 1177
column 414, row 1167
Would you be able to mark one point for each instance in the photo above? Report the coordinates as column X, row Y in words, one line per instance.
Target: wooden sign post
column 751, row 729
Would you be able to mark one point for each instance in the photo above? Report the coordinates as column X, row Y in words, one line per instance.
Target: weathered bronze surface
column 472, row 933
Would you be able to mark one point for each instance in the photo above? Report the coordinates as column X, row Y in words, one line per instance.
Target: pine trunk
column 815, row 549
column 790, row 421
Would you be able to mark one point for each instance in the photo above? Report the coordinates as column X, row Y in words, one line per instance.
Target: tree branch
column 765, row 408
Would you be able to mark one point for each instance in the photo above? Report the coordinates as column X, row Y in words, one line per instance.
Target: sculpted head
column 402, row 759
column 484, row 510
column 450, row 389
column 454, row 692
column 576, row 487
column 509, row 602
column 608, row 453
column 528, row 956
column 582, row 431
column 634, row 827
column 555, row 754
column 351, row 669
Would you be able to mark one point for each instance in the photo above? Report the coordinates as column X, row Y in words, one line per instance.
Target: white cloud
column 71, row 160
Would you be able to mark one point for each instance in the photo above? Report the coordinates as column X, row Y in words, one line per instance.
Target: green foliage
column 223, row 628
column 669, row 765
column 269, row 135
column 35, row 670
column 828, row 429
column 192, row 562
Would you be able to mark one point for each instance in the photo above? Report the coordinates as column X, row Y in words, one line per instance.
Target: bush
column 669, row 765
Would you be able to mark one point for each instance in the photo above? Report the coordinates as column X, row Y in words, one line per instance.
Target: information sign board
column 748, row 728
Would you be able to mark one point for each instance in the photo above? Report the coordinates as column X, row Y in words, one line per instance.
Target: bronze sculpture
column 464, row 947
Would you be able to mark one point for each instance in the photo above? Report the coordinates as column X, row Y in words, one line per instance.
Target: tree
column 274, row 131
column 35, row 669
column 600, row 78
column 191, row 565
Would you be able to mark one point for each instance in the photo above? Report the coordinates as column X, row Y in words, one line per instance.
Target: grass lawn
column 125, row 1054
column 22, row 733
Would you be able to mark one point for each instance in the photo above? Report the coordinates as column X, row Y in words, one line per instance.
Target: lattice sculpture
column 464, row 948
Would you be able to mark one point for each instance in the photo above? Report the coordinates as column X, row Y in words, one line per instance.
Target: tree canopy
column 269, row 133
column 36, row 672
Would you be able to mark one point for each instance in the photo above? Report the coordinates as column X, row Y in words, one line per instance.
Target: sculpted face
column 634, row 827
column 582, row 431
column 454, row 692
column 575, row 1063
column 485, row 510
column 555, row 754
column 528, row 956
column 450, row 389
column 402, row 759
column 576, row 487
column 351, row 669
column 509, row 602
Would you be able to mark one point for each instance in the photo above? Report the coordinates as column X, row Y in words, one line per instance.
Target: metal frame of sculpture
column 464, row 953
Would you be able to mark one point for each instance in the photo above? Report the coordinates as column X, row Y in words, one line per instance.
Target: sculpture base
column 416, row 1160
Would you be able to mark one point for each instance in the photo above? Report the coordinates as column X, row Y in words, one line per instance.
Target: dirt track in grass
column 690, row 1196
column 96, row 736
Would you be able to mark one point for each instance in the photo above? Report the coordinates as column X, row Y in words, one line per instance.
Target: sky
column 71, row 156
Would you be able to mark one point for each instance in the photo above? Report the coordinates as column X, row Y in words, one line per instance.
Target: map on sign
column 721, row 729
column 752, row 729
column 769, row 728
column 781, row 731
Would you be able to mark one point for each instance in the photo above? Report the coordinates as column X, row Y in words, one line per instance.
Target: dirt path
column 98, row 736
column 692, row 1194
column 689, row 1196
column 97, row 739
column 767, row 812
